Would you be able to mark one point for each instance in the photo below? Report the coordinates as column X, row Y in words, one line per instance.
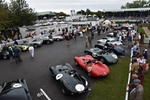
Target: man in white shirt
column 31, row 50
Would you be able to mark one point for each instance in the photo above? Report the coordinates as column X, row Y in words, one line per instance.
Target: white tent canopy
column 107, row 22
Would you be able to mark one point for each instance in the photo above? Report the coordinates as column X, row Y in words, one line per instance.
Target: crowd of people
column 139, row 65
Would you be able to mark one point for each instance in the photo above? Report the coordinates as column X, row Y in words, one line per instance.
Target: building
column 45, row 15
column 132, row 13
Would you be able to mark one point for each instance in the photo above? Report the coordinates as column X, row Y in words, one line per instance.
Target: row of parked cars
column 23, row 44
column 95, row 62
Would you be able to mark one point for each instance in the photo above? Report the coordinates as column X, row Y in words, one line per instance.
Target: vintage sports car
column 4, row 54
column 110, row 40
column 15, row 90
column 103, row 40
column 35, row 43
column 23, row 47
column 102, row 55
column 118, row 50
column 57, row 38
column 47, row 40
column 93, row 67
column 70, row 80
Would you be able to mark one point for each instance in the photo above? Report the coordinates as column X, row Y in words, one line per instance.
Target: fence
column 129, row 75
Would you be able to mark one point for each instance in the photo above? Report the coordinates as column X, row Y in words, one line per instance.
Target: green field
column 113, row 87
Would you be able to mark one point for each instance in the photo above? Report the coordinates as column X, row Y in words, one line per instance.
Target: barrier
column 129, row 75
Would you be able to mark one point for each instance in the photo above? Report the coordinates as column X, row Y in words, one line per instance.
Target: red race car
column 93, row 67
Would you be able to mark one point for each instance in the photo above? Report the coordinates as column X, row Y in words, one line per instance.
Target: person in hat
column 137, row 92
column 131, row 85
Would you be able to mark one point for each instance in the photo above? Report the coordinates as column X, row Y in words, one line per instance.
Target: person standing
column 86, row 41
column 10, row 50
column 15, row 42
column 67, row 38
column 137, row 92
column 149, row 41
column 16, row 54
column 31, row 50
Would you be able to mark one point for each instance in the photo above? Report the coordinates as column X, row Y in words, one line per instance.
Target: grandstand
column 132, row 13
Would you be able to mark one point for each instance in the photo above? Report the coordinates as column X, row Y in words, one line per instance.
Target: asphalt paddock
column 36, row 70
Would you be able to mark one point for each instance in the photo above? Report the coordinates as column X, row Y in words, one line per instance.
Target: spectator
column 137, row 92
column 149, row 41
column 15, row 42
column 31, row 50
column 134, row 48
column 67, row 38
column 131, row 85
column 86, row 41
column 145, row 53
column 11, row 55
column 129, row 40
column 134, row 67
column 16, row 54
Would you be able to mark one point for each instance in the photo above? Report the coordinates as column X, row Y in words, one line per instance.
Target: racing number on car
column 89, row 69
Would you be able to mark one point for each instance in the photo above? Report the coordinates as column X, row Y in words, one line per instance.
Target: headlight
column 115, row 56
column 94, row 54
column 79, row 87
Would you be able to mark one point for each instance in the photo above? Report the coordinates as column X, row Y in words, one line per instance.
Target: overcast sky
column 67, row 5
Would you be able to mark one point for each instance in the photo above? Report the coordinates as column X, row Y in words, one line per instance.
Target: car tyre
column 111, row 51
column 48, row 42
column 58, row 40
column 76, row 63
column 102, row 60
column 35, row 45
column 86, row 53
column 5, row 57
column 89, row 74
column 64, row 92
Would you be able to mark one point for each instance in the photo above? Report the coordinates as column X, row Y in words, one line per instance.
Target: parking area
column 36, row 70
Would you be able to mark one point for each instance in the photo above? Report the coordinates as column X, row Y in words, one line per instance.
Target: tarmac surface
column 36, row 70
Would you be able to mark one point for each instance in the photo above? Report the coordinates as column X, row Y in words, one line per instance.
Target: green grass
column 140, row 30
column 113, row 87
column 147, row 84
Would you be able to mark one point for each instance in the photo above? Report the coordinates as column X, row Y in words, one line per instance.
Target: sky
column 68, row 5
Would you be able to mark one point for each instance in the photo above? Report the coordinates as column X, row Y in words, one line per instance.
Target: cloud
column 67, row 5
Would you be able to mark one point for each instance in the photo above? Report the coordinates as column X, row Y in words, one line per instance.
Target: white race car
column 57, row 38
column 109, row 40
column 103, row 40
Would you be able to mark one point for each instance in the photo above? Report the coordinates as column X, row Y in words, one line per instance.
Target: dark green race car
column 103, row 56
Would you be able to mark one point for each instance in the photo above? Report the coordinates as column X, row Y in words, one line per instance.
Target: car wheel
column 89, row 74
column 35, row 45
column 111, row 51
column 4, row 57
column 76, row 63
column 102, row 60
column 86, row 53
column 64, row 92
column 48, row 42
column 57, row 39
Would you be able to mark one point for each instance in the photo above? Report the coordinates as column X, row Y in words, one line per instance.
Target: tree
column 82, row 12
column 21, row 13
column 4, row 15
column 136, row 4
column 61, row 14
